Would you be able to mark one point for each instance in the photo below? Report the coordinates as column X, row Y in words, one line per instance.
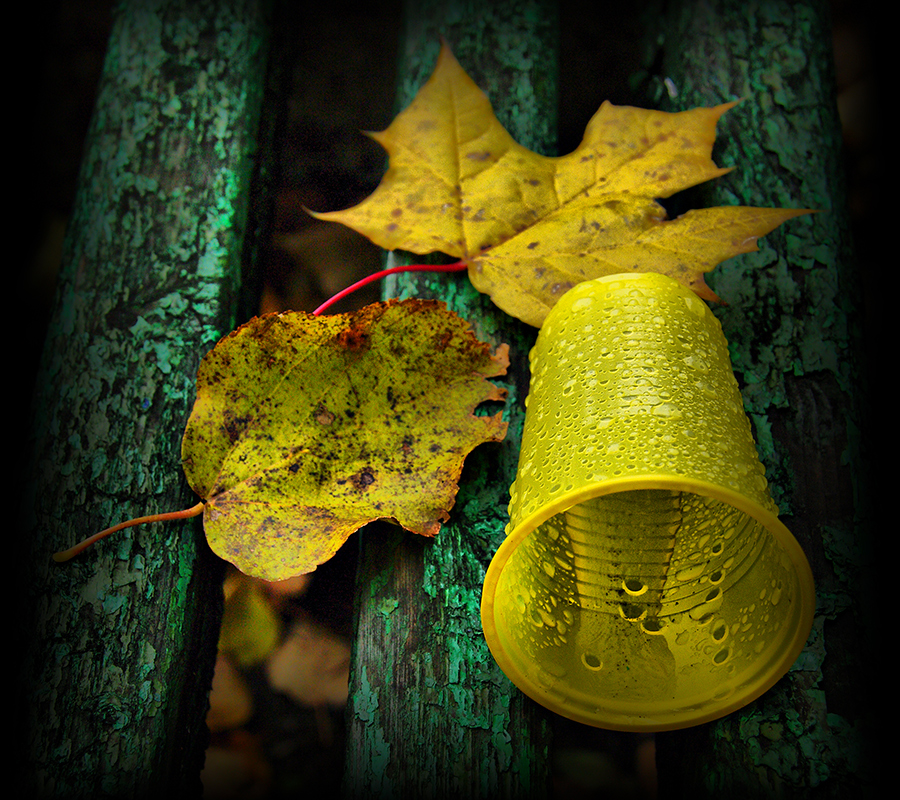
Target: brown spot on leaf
column 442, row 339
column 234, row 425
column 363, row 479
column 353, row 338
column 323, row 416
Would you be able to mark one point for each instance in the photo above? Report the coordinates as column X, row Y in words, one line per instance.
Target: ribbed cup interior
column 651, row 604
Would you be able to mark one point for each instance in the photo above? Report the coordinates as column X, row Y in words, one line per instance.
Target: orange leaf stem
column 456, row 266
column 193, row 511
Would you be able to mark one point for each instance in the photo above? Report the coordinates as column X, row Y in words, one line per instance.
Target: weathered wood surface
column 792, row 322
column 120, row 643
column 431, row 715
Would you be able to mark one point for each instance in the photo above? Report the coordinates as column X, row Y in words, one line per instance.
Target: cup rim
column 790, row 649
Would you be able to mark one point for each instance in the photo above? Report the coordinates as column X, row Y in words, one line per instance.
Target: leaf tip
column 501, row 357
column 702, row 290
column 315, row 214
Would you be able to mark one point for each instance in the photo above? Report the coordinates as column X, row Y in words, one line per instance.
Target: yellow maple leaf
column 528, row 226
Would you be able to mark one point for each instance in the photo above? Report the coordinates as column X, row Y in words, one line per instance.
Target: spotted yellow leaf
column 305, row 428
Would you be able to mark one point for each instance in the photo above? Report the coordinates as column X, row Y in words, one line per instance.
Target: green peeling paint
column 377, row 756
column 789, row 323
column 122, row 640
column 386, row 607
column 456, row 725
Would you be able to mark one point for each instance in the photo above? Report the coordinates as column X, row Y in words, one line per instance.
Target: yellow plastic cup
column 645, row 582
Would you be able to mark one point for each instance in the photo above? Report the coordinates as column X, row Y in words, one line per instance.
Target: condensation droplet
column 694, row 305
column 667, row 411
column 690, row 574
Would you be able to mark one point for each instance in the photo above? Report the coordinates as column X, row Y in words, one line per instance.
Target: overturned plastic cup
column 645, row 581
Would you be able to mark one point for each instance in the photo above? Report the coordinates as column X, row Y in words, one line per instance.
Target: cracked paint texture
column 454, row 724
column 792, row 322
column 122, row 640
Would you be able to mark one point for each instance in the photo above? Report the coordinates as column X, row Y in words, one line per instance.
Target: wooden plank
column 121, row 642
column 430, row 713
column 792, row 324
